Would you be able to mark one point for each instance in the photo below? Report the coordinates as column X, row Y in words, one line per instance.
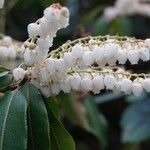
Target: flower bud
column 64, row 17
column 34, row 30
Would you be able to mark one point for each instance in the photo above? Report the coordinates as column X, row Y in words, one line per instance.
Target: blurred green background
column 116, row 121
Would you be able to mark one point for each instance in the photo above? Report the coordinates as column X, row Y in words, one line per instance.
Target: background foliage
column 111, row 120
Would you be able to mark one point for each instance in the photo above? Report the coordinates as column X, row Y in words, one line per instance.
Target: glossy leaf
column 97, row 122
column 13, row 128
column 5, row 81
column 38, row 124
column 60, row 138
column 136, row 122
column 51, row 102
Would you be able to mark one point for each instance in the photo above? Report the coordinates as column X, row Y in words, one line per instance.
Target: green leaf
column 51, row 102
column 60, row 138
column 13, row 129
column 6, row 81
column 136, row 122
column 3, row 69
column 97, row 122
column 38, row 124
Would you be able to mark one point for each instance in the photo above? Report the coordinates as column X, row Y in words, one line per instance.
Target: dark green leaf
column 5, row 81
column 52, row 104
column 60, row 138
column 38, row 124
column 13, row 128
column 3, row 73
column 136, row 122
column 97, row 122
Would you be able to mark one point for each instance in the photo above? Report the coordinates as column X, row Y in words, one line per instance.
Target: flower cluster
column 127, row 7
column 9, row 48
column 80, row 65
column 107, row 52
column 42, row 32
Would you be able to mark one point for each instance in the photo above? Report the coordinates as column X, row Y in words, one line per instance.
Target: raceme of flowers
column 9, row 48
column 127, row 7
column 80, row 65
column 42, row 32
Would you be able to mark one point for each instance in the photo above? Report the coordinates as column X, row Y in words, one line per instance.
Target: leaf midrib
column 30, row 126
column 4, row 124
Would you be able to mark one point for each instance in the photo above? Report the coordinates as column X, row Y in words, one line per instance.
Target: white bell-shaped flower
column 98, row 82
column 46, row 91
column 137, row 89
column 88, row 58
column 98, row 53
column 110, row 81
column 44, row 75
column 34, row 30
column 147, row 43
column 75, row 82
column 65, row 86
column 45, row 26
column 122, row 56
column 29, row 57
column 52, row 14
column 44, row 44
column 146, row 84
column 64, row 17
column 50, row 65
column 19, row 74
column 133, row 56
column 126, row 85
column 144, row 54
column 12, row 54
column 77, row 51
column 7, row 40
column 86, row 84
column 69, row 59
column 55, row 88
column 4, row 52
column 110, row 50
